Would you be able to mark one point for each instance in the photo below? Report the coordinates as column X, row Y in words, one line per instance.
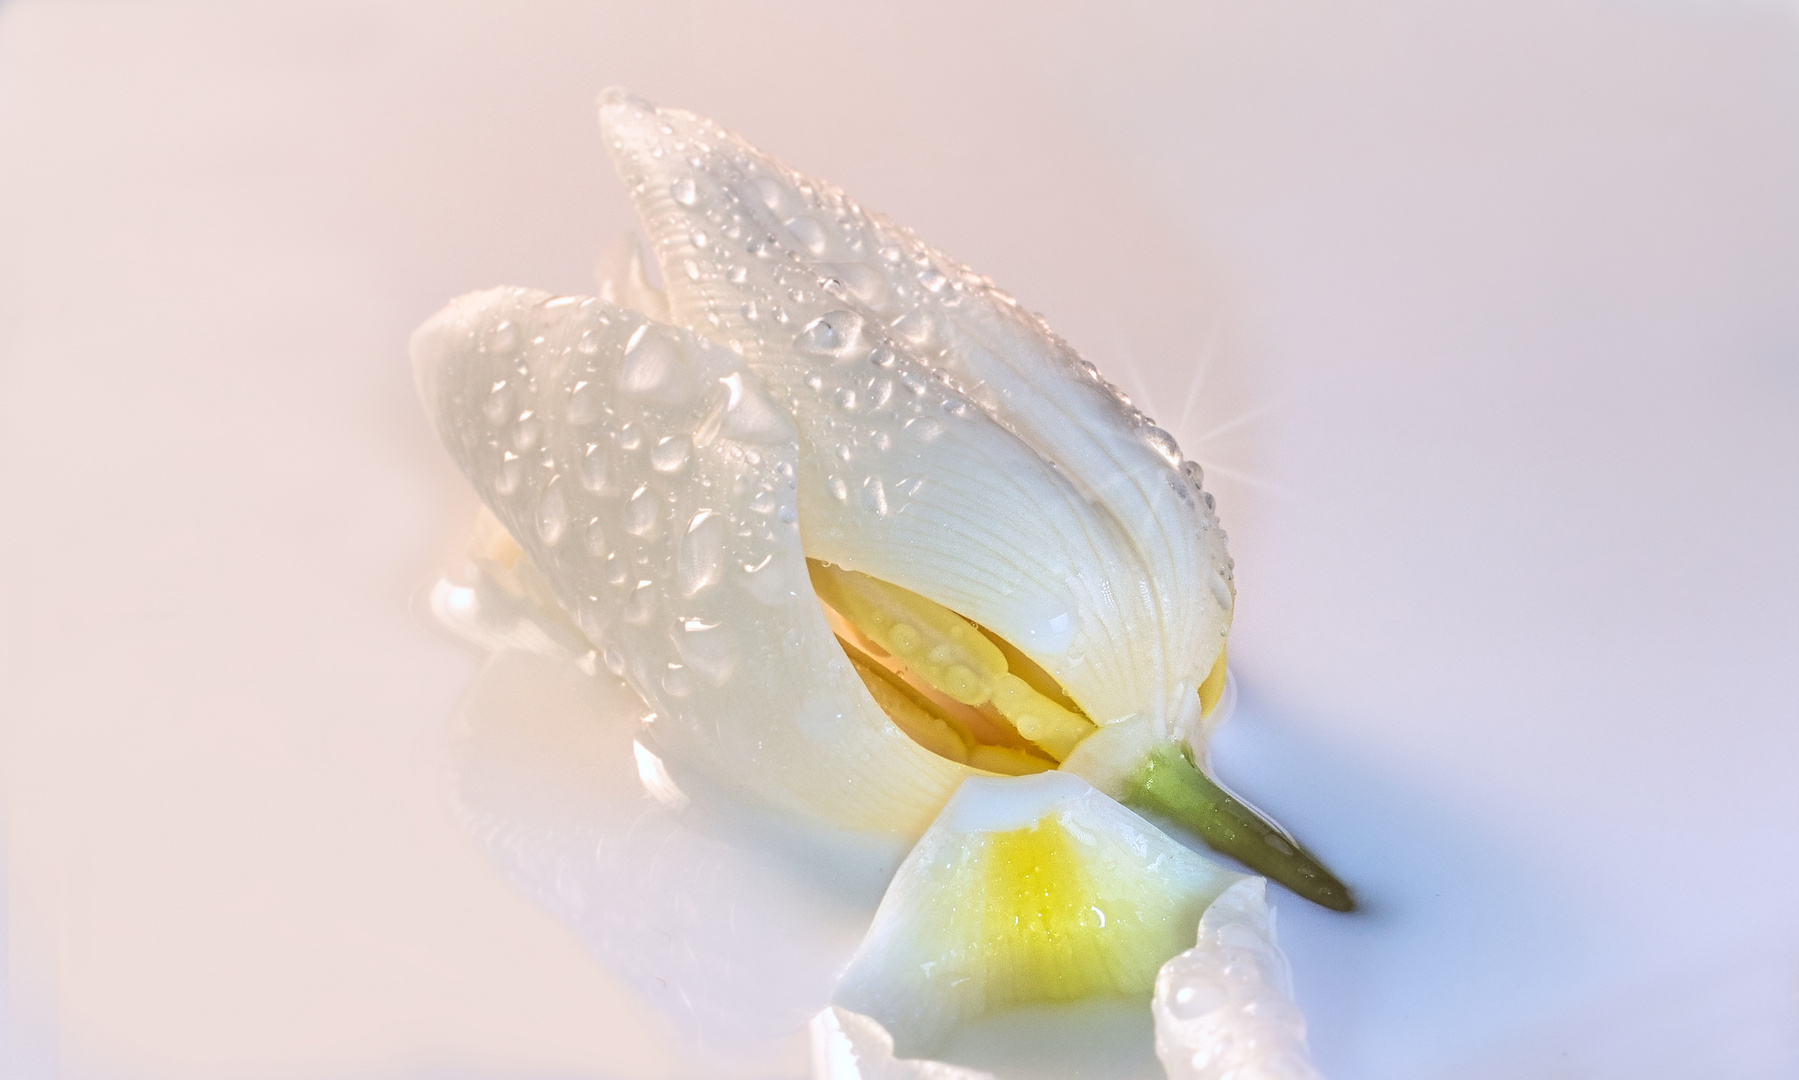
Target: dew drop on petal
column 841, row 335
column 924, row 428
column 700, row 559
column 874, row 497
column 1221, row 589
column 504, row 338
column 552, row 514
column 595, row 540
column 1163, row 444
column 512, row 470
column 750, row 416
column 684, row 191
column 671, row 453
column 654, row 366
column 643, row 513
column 596, row 469
column 614, row 658
column 810, row 234
column 641, row 604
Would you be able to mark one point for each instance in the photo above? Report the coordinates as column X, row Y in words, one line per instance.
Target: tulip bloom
column 866, row 535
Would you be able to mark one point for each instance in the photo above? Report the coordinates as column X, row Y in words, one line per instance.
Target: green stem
column 1170, row 785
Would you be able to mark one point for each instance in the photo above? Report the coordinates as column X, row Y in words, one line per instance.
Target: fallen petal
column 1032, row 890
column 1224, row 1008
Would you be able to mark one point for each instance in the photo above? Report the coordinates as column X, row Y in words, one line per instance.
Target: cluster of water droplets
column 644, row 472
column 1224, row 1008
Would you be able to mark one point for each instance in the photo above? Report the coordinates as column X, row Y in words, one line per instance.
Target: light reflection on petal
column 709, row 916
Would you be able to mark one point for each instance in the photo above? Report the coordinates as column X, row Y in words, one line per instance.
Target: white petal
column 1026, row 891
column 1050, row 513
column 1224, row 1008
column 850, row 1046
column 650, row 479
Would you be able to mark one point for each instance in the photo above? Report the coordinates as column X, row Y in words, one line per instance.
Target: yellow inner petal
column 936, row 674
column 1213, row 688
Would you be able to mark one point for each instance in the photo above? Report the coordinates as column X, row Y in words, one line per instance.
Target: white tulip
column 856, row 526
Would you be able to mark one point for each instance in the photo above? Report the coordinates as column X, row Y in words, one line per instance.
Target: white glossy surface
column 1501, row 418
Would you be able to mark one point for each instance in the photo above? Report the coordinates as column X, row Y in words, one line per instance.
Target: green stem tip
column 1170, row 785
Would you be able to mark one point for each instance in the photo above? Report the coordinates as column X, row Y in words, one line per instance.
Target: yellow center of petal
column 957, row 689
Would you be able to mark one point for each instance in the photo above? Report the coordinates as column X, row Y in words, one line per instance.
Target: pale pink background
column 1500, row 303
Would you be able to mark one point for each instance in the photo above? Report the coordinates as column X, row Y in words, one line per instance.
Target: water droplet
column 1163, row 444
column 1221, row 589
column 675, row 681
column 840, row 334
column 810, row 234
column 874, row 496
column 629, row 437
column 770, row 191
column 640, row 606
column 691, row 269
column 789, row 513
column 616, row 572
column 737, row 275
column 504, row 338
column 924, row 428
column 596, row 468
column 1194, row 474
column 684, row 191
column 880, row 392
column 846, row 399
column 614, row 658
column 707, row 649
column 864, row 282
column 588, row 343
column 932, row 279
column 749, row 414
column 498, row 404
column 700, row 561
column 880, row 440
column 552, row 514
column 955, row 406
column 525, row 435
column 655, row 366
column 595, row 540
column 1196, row 998
column 671, row 453
column 700, row 239
column 512, row 470
column 764, row 502
column 643, row 513
column 919, row 329
column 581, row 405
column 838, row 489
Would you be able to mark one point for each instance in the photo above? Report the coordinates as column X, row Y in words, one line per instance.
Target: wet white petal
column 688, row 581
column 953, row 446
column 1026, row 891
column 1224, row 1008
column 849, row 1046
